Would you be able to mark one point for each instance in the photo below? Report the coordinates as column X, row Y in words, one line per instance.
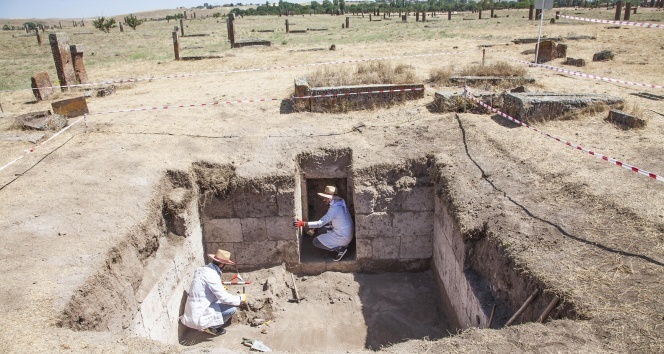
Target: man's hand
column 299, row 223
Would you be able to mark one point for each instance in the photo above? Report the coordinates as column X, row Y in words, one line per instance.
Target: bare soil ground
column 588, row 229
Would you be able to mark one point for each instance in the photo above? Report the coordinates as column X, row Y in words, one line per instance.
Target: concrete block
column 71, row 107
column 363, row 248
column 364, row 199
column 253, row 229
column 280, row 228
column 287, row 251
column 250, row 202
column 416, row 246
column 286, row 202
column 374, row 225
column 217, row 208
column 386, row 198
column 413, row 223
column 257, row 254
column 385, row 247
column 418, row 199
column 222, row 230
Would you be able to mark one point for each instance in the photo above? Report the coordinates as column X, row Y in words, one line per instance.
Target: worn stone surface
column 625, row 121
column 541, row 106
column 456, row 102
column 280, row 228
column 575, row 62
column 79, row 65
column 250, row 42
column 43, row 120
column 41, row 86
column 253, row 229
column 603, row 55
column 106, row 91
column 71, row 107
column 222, row 230
column 374, row 225
column 490, row 79
column 63, row 59
column 546, row 51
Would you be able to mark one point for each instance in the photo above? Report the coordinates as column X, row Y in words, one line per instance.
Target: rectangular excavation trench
column 403, row 224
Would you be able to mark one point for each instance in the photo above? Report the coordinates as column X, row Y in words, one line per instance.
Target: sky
column 15, row 9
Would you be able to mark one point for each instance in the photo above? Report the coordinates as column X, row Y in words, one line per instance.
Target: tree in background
column 132, row 21
column 104, row 24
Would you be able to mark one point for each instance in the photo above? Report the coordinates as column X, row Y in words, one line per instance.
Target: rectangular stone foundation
column 542, row 106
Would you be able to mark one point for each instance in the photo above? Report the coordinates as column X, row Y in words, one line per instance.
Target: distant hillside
column 67, row 22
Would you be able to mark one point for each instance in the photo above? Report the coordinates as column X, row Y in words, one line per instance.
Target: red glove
column 299, row 223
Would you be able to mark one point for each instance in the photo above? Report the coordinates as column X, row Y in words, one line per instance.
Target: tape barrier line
column 217, row 103
column 623, row 23
column 128, row 81
column 589, row 76
column 26, row 152
column 145, row 109
column 574, row 146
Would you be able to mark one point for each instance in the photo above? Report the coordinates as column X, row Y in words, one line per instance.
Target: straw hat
column 330, row 193
column 222, row 257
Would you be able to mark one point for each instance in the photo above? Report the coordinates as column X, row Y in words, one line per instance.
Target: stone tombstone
column 546, row 52
column 561, row 50
column 41, row 86
column 72, row 107
column 63, row 60
column 79, row 66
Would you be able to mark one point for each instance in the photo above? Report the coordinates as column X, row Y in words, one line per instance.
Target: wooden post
column 492, row 9
column 480, row 16
column 417, row 17
column 347, row 22
column 449, row 14
column 549, row 308
column 530, row 12
column 231, row 30
column 38, row 36
column 176, row 45
column 424, row 16
column 628, row 8
column 493, row 312
column 618, row 10
column 538, row 14
column 182, row 25
column 369, row 17
column 522, row 308
column 287, row 29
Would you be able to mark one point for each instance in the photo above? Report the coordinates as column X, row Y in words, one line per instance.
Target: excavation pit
column 412, row 273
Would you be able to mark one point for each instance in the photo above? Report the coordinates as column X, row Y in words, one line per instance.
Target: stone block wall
column 394, row 213
column 357, row 100
column 253, row 220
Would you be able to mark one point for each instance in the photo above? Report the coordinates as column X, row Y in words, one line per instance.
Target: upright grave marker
column 79, row 67
column 63, row 59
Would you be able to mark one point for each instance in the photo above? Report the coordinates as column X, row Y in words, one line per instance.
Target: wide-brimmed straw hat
column 330, row 193
column 222, row 256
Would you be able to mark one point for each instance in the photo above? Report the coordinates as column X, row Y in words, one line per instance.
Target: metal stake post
column 541, row 4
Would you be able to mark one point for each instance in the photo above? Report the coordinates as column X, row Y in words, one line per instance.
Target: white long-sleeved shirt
column 341, row 232
column 205, row 295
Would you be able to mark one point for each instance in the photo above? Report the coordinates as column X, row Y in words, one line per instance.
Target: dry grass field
column 593, row 232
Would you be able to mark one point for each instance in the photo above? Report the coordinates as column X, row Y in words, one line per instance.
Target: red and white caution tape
column 145, row 109
column 236, row 282
column 216, row 103
column 179, row 76
column 622, row 23
column 578, row 147
column 589, row 76
column 26, row 152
